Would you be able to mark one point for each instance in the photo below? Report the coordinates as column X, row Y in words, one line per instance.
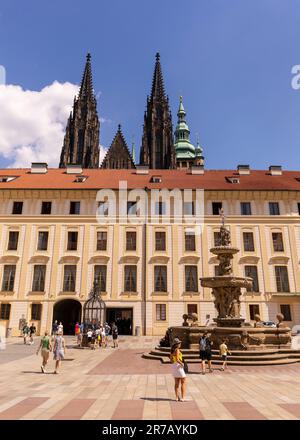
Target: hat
column 176, row 341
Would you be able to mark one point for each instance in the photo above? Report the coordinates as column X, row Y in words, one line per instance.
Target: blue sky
column 230, row 59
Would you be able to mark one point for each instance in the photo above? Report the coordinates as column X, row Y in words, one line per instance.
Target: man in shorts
column 205, row 351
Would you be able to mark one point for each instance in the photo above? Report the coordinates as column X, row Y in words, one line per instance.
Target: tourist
column 115, row 334
column 98, row 336
column 58, row 350
column 45, row 347
column 205, row 351
column 107, row 331
column 89, row 336
column 26, row 331
column 103, row 338
column 94, row 340
column 224, row 352
column 32, row 332
column 78, row 333
column 54, row 328
column 178, row 370
column 60, row 328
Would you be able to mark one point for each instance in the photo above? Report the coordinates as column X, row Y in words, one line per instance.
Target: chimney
column 39, row 168
column 243, row 169
column 275, row 170
column 142, row 169
column 74, row 169
column 196, row 169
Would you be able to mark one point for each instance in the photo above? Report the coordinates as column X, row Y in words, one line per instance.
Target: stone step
column 245, row 355
column 166, row 351
column 239, row 362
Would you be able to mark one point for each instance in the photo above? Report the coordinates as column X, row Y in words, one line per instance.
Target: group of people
column 179, row 368
column 28, row 332
column 98, row 335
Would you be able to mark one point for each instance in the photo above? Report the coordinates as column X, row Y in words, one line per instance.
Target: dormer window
column 156, row 179
column 233, row 180
column 4, row 179
column 80, row 179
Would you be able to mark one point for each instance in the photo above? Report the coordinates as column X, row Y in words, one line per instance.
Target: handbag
column 185, row 366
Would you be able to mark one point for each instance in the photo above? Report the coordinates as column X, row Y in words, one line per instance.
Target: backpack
column 203, row 344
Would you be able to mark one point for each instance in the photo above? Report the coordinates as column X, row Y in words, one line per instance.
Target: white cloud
column 32, row 123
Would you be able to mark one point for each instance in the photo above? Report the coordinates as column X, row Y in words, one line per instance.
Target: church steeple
column 157, row 149
column 81, row 142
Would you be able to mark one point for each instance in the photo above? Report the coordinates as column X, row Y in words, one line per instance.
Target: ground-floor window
column 36, row 312
column 161, row 312
column 285, row 309
column 192, row 308
column 5, row 311
column 254, row 310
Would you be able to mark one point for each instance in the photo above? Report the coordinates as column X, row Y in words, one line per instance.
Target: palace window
column 39, row 275
column 285, row 309
column 161, row 312
column 254, row 310
column 160, row 278
column 100, row 272
column 130, row 278
column 251, row 272
column 160, row 208
column 277, row 242
column 17, row 208
column 5, row 311
column 160, row 241
column 248, row 241
column 46, row 208
column 216, row 207
column 72, row 240
column 130, row 241
column 192, row 308
column 282, row 279
column 36, row 312
column 274, row 208
column 13, row 239
column 75, row 208
column 191, row 279
column 131, row 208
column 9, row 273
column 42, row 240
column 217, row 238
column 245, row 208
column 69, row 278
column 103, row 209
column 101, row 241
column 190, row 241
column 188, row 208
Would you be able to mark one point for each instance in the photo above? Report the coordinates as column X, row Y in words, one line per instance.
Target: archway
column 67, row 311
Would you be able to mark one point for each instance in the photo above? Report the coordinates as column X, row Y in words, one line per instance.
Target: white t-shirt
column 60, row 327
column 89, row 334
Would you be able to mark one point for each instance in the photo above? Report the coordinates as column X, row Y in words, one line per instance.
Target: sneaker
column 222, row 369
column 55, row 372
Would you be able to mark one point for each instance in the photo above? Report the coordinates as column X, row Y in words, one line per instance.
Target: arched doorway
column 68, row 311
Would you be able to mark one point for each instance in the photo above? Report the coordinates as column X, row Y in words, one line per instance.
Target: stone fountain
column 249, row 344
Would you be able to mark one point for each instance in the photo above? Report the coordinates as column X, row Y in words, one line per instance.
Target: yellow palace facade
column 53, row 246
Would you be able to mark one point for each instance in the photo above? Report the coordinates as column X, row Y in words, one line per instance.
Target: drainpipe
column 145, row 269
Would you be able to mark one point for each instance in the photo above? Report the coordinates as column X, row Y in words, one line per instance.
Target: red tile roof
column 57, row 178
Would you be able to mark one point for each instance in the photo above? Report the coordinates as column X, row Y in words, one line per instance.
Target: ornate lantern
column 94, row 308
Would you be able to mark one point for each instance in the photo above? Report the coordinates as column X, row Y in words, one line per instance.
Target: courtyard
column 118, row 384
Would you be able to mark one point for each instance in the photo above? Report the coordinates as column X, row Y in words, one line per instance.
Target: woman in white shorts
column 178, row 370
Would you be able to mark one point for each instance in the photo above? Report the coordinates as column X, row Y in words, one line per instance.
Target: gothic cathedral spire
column 157, row 149
column 81, row 142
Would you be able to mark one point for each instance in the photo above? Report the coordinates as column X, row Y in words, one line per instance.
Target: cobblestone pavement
column 120, row 384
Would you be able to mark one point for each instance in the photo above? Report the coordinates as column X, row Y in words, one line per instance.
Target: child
column 224, row 352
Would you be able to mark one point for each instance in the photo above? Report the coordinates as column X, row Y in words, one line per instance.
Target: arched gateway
column 68, row 311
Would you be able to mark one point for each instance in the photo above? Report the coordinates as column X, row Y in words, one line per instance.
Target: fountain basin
column 226, row 281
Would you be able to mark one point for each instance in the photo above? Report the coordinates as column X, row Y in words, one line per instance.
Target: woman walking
column 115, row 335
column 178, row 370
column 45, row 347
column 58, row 350
column 205, row 351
